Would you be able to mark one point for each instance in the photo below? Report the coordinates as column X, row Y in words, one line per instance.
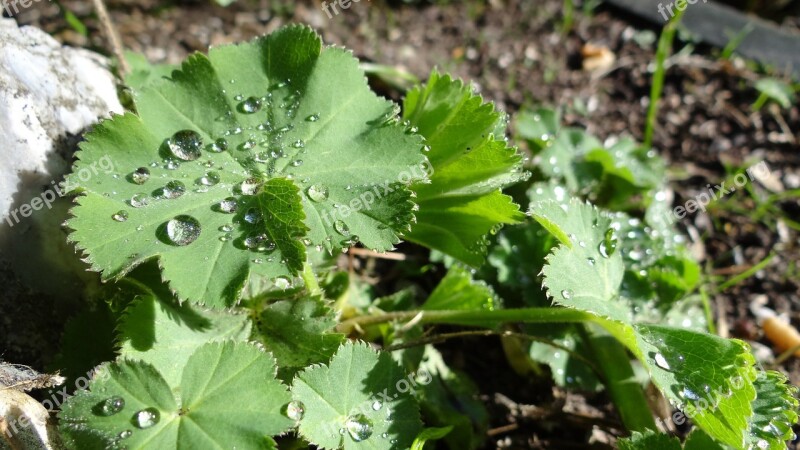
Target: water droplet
column 317, row 193
column 229, row 205
column 297, row 162
column 282, row 283
column 186, row 145
column 171, row 164
column 251, row 105
column 359, row 427
column 248, row 144
column 258, row 261
column 299, row 144
column 591, row 261
column 218, row 146
column 120, row 216
column 341, row 227
column 209, row 179
column 661, row 361
column 139, row 200
column 112, row 406
column 567, row 294
column 376, row 405
column 295, row 410
column 226, row 228
column 250, row 186
column 173, row 189
column 609, row 244
column 312, row 118
column 254, row 240
column 183, row 230
column 252, row 216
column 146, row 418
column 225, row 237
column 140, row 175
column 125, row 434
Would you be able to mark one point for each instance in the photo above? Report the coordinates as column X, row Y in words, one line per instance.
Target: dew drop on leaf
column 140, row 175
column 295, row 410
column 342, row 228
column 173, row 189
column 139, row 200
column 567, row 294
column 250, row 105
column 376, row 405
column 297, row 162
column 299, row 144
column 112, row 405
column 249, row 186
column 282, row 283
column 661, row 361
column 317, row 193
column 226, row 228
column 171, row 164
column 124, row 434
column 254, row 240
column 218, row 146
column 591, row 261
column 359, row 427
column 120, row 216
column 609, row 244
column 229, row 205
column 312, row 118
column 209, row 179
column 146, row 418
column 185, row 145
column 252, row 216
column 183, row 230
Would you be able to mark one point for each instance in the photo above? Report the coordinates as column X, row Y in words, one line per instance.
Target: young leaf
column 228, row 397
column 430, row 434
column 299, row 333
column 470, row 163
column 774, row 412
column 360, row 400
column 165, row 335
column 458, row 290
column 709, row 378
column 241, row 159
column 585, row 272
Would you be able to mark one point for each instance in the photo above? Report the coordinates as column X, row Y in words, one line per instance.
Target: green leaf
column 458, row 290
column 275, row 108
column 538, row 126
column 142, row 72
column 709, row 378
column 585, row 272
column 777, row 90
column 299, row 333
column 566, row 370
column 429, row 434
column 774, row 411
column 360, row 400
column 651, row 440
column 228, row 397
column 470, row 162
column 165, row 335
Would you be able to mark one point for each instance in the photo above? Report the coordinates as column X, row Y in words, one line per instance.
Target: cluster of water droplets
column 141, row 419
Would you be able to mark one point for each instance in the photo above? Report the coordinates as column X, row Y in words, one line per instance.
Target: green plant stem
column 747, row 273
column 657, row 88
column 615, row 368
column 310, row 280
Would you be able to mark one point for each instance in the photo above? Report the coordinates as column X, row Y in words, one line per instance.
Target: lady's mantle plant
column 250, row 163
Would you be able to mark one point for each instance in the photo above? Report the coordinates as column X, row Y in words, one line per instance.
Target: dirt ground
column 515, row 54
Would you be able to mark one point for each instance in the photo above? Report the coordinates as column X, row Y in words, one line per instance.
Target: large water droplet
column 139, row 200
column 254, row 240
column 317, row 193
column 252, row 216
column 250, row 186
column 140, row 175
column 112, row 405
column 250, row 105
column 609, row 244
column 218, row 146
column 359, row 427
column 295, row 410
column 146, row 418
column 120, row 216
column 342, row 228
column 185, row 145
column 229, row 205
column 183, row 230
column 209, row 179
column 661, row 361
column 173, row 189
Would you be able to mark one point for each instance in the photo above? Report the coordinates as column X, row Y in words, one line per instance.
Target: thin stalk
column 617, row 373
column 747, row 273
column 657, row 89
column 310, row 280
